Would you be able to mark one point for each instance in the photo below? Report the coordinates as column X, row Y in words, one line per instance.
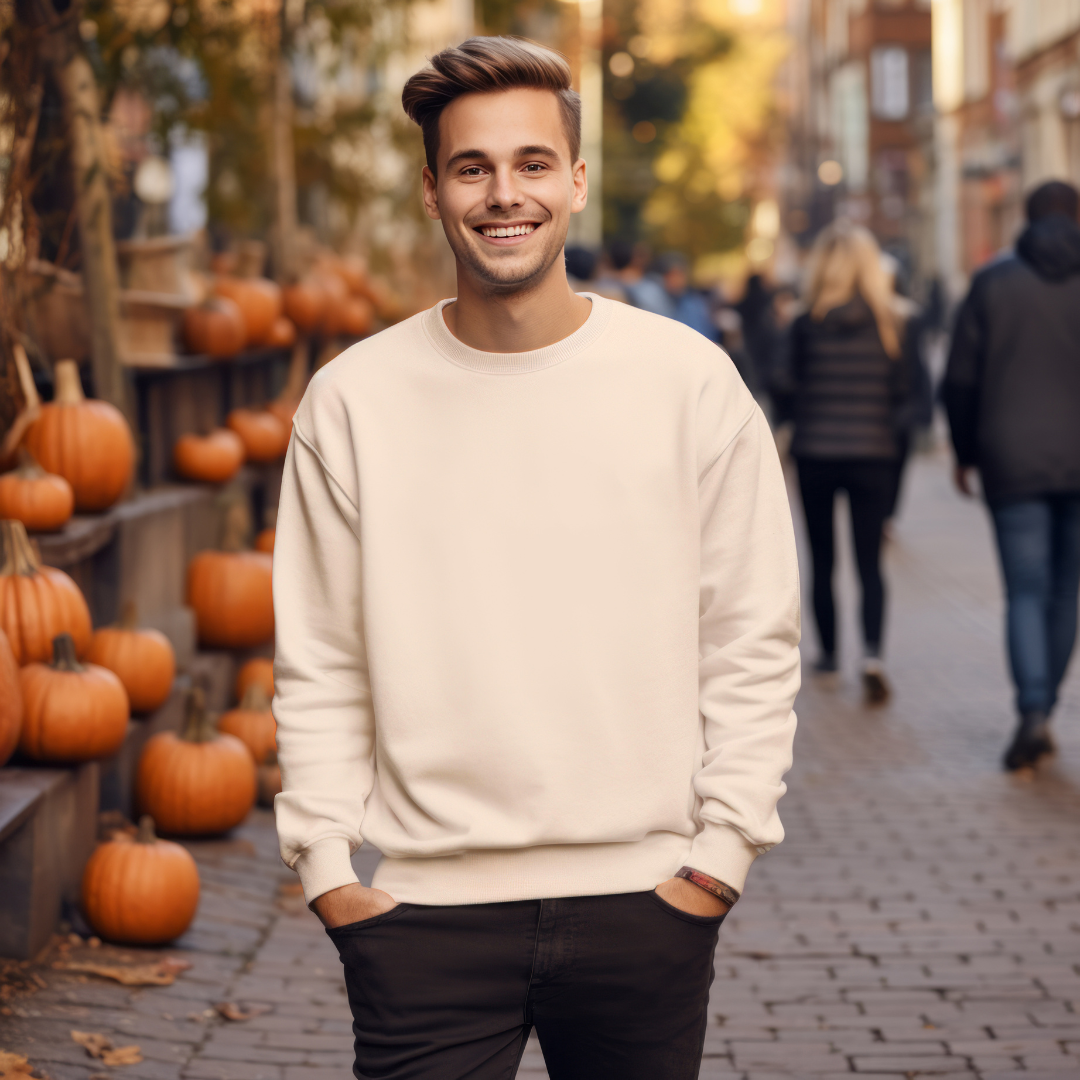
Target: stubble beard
column 502, row 280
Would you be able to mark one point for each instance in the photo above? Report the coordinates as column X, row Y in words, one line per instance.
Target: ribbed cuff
column 324, row 866
column 724, row 853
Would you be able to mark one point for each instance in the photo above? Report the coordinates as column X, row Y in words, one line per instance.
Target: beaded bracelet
column 710, row 884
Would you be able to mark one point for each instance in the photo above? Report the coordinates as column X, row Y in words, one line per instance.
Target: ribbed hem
column 493, row 363
column 725, row 854
column 324, row 866
column 492, row 877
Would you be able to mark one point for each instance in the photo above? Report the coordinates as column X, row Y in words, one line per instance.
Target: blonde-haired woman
column 855, row 370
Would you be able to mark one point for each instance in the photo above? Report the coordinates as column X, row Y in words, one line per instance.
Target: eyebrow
column 521, row 151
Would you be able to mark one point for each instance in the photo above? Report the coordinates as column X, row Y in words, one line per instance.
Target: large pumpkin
column 259, row 301
column 198, row 782
column 88, row 443
column 231, row 594
column 306, row 303
column 212, row 458
column 357, row 316
column 143, row 660
column 11, row 700
column 252, row 723
column 41, row 501
column 264, row 436
column 215, row 328
column 141, row 890
column 37, row 602
column 258, row 671
column 71, row 711
column 282, row 333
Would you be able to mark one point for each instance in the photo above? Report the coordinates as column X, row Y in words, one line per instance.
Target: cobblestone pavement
column 921, row 919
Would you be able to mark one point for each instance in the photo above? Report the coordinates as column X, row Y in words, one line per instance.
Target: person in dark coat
column 1012, row 392
column 854, row 380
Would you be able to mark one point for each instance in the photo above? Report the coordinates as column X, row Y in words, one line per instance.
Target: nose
column 504, row 192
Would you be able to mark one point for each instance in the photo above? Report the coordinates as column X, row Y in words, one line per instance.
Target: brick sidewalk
column 922, row 918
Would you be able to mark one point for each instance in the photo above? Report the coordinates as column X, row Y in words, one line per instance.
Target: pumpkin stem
column 146, row 834
column 17, row 555
column 197, row 726
column 255, row 698
column 129, row 616
column 64, row 658
column 66, row 381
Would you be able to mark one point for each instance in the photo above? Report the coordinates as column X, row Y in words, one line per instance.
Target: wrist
column 710, row 884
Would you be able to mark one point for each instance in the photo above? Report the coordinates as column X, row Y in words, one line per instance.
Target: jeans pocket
column 708, row 921
column 336, row 932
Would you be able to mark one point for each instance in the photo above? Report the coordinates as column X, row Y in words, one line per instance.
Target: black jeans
column 871, row 486
column 616, row 986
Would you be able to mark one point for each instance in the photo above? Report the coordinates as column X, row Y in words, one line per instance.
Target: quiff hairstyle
column 486, row 65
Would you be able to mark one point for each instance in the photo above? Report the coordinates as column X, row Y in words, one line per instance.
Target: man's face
column 506, row 186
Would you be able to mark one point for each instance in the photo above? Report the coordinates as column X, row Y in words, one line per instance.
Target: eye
column 472, row 170
column 534, row 167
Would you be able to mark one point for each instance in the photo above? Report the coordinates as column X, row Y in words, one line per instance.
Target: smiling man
column 538, row 621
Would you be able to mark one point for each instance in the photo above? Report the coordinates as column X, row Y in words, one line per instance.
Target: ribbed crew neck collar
column 516, row 363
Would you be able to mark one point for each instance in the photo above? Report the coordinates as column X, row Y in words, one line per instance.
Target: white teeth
column 511, row 230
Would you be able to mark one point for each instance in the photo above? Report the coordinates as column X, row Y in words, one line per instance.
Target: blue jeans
column 1039, row 545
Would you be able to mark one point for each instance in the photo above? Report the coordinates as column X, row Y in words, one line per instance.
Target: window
column 889, row 82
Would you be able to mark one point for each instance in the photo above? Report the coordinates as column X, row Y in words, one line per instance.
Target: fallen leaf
column 162, row 973
column 231, row 1010
column 92, row 1041
column 100, row 1046
column 14, row 1064
column 122, row 1055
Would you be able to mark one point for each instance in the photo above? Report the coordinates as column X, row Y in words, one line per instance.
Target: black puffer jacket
column 848, row 398
column 1012, row 387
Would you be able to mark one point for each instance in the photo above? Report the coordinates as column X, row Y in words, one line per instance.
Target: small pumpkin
column 231, row 594
column 198, row 782
column 259, row 301
column 86, row 442
column 11, row 700
column 212, row 458
column 264, row 436
column 252, row 723
column 215, row 328
column 282, row 333
column 357, row 316
column 268, row 780
column 37, row 602
column 258, row 671
column 265, row 541
column 353, row 271
column 42, row 501
column 71, row 711
column 141, row 890
column 305, row 303
column 143, row 660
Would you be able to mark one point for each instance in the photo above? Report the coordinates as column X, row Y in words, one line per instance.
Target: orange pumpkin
column 37, row 602
column 306, row 303
column 268, row 780
column 265, row 541
column 215, row 328
column 40, row 500
column 143, row 660
column 252, row 723
column 258, row 671
column 72, row 711
column 264, row 436
column 212, row 458
column 357, row 316
column 197, row 782
column 353, row 271
column 88, row 443
column 282, row 333
column 259, row 301
column 284, row 410
column 141, row 890
column 11, row 700
column 230, row 592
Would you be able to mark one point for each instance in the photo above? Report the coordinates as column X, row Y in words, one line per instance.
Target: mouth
column 505, row 235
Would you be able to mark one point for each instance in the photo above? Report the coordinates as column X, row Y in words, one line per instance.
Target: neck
column 531, row 318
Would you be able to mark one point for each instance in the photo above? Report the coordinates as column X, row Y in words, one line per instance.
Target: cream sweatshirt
column 537, row 615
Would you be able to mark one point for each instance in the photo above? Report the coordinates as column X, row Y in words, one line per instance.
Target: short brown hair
column 486, row 65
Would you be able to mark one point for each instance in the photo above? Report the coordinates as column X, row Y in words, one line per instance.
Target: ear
column 431, row 195
column 581, row 187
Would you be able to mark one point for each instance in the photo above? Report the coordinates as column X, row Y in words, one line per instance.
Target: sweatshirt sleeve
column 322, row 695
column 748, row 650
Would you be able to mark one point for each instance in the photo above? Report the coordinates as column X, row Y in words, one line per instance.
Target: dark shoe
column 875, row 685
column 1031, row 742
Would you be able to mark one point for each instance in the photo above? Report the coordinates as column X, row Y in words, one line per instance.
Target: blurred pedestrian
column 853, row 386
column 761, row 334
column 589, row 271
column 644, row 289
column 1012, row 391
column 689, row 305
